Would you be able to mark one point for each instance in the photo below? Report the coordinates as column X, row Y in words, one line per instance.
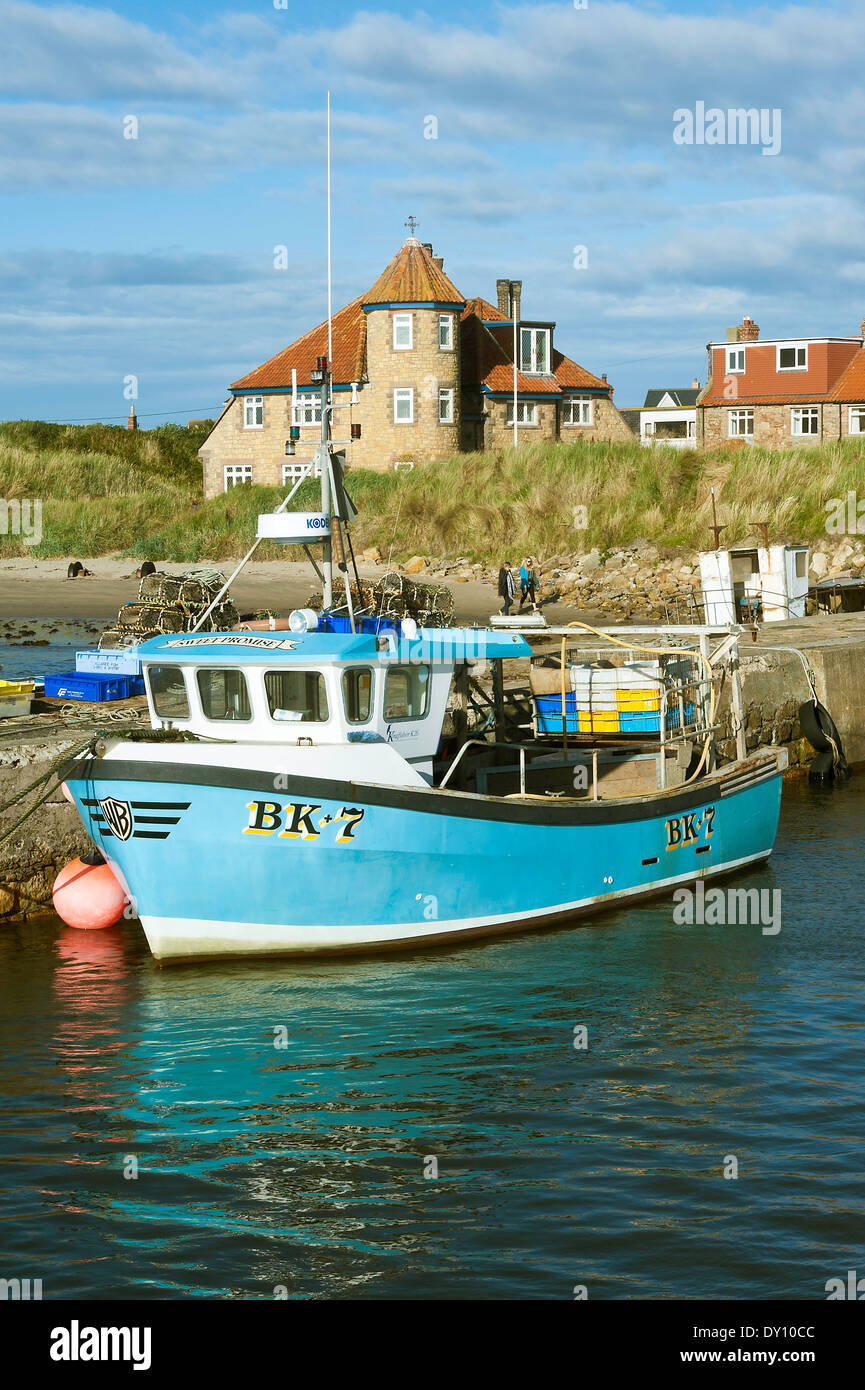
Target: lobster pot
column 116, row 638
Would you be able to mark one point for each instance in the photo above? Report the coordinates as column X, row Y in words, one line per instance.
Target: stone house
column 780, row 391
column 423, row 371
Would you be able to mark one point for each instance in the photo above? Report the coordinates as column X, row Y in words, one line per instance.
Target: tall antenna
column 329, row 283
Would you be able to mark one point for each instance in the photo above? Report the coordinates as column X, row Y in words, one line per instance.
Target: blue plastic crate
column 370, row 627
column 82, row 685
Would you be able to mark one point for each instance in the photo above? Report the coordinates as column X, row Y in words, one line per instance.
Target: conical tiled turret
column 414, row 276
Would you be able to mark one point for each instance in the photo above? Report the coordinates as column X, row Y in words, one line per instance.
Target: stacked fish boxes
column 608, row 700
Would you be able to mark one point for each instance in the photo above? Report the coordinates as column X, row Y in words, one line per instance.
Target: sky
column 149, row 264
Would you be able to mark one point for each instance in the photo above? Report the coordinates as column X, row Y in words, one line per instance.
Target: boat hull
column 232, row 861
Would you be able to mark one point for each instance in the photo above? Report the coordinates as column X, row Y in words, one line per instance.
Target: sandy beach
column 39, row 589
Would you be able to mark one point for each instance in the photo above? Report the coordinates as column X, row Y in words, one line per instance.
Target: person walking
column 532, row 583
column 507, row 588
column 524, row 581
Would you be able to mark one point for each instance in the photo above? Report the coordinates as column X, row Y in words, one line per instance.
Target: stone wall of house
column 424, row 368
column 772, row 424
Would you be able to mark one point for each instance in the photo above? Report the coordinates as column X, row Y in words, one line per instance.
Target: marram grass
column 108, row 490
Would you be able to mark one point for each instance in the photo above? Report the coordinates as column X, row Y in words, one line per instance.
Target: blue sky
column 154, row 257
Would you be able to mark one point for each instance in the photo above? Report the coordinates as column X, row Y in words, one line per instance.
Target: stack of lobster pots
column 171, row 603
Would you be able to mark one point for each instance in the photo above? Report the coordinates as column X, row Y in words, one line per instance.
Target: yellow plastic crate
column 599, row 724
column 17, row 687
column 634, row 700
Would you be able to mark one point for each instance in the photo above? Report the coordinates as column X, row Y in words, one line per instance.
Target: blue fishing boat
column 307, row 807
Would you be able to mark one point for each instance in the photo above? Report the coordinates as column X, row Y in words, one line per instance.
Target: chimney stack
column 749, row 332
column 516, row 296
column 439, row 261
column 695, row 384
column 132, row 422
column 502, row 291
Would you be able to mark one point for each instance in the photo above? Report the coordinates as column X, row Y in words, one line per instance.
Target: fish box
column 109, row 663
column 83, row 685
column 15, row 697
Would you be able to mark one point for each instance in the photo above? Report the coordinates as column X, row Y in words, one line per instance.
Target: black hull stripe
column 465, row 805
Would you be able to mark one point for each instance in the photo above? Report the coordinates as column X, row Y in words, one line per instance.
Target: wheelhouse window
column 534, row 350
column 735, row 359
column 446, row 332
column 307, row 409
column 857, row 419
column 402, row 332
column 740, row 424
column 224, row 695
column 406, row 693
column 236, row 474
column 403, row 405
column 168, row 689
column 527, row 413
column 297, row 697
column 577, row 410
column 793, row 359
column 805, row 420
column 253, row 412
column 446, row 405
column 357, row 688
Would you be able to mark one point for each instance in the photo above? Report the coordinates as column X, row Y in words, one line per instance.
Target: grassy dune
column 105, row 489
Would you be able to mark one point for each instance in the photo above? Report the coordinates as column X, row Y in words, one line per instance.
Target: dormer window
column 735, row 360
column 402, row 332
column 534, row 350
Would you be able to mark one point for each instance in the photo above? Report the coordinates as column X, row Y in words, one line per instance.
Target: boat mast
column 326, row 398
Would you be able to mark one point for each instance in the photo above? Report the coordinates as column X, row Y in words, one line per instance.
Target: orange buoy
column 88, row 896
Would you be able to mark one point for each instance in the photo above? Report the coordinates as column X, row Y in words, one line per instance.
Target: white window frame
column 527, row 409
column 403, row 393
column 446, row 322
column 692, row 429
column 735, row 355
column 532, row 369
column 255, row 405
column 584, row 411
column 749, row 418
column 794, row 347
column 858, row 410
column 797, row 419
column 292, row 471
column 229, row 478
column 402, row 320
column 307, row 410
column 446, row 392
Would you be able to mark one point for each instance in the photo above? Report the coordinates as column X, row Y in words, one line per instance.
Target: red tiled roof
column 413, row 277
column 488, row 359
column 850, row 385
column 349, row 354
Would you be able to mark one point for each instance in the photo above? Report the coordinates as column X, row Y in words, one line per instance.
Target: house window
column 741, row 424
column 793, row 359
column 735, row 359
column 534, row 349
column 307, row 410
column 527, row 413
column 253, row 412
column 692, row 429
column 805, row 420
column 403, row 405
column 236, row 474
column 446, row 332
column 446, row 406
column 857, row 419
column 292, row 471
column 577, row 410
column 402, row 331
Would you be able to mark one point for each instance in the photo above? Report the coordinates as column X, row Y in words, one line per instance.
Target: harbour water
column 423, row 1127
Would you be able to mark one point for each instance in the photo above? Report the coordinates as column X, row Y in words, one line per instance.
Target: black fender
column 820, row 730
